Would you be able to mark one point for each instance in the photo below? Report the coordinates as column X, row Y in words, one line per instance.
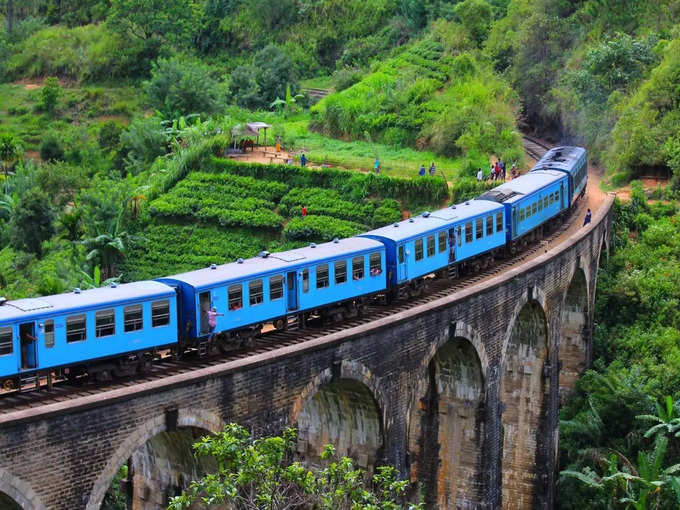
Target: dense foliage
column 263, row 474
column 636, row 365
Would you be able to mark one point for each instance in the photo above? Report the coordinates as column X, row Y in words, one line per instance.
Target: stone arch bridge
column 461, row 394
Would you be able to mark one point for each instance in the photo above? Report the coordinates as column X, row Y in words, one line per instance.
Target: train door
column 29, row 344
column 402, row 263
column 204, row 306
column 291, row 286
column 561, row 195
column 452, row 245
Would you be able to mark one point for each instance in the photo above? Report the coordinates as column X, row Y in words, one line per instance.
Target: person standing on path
column 303, row 160
column 376, row 166
column 589, row 216
column 421, row 172
column 432, row 169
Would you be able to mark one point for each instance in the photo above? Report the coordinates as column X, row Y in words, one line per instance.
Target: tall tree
column 32, row 222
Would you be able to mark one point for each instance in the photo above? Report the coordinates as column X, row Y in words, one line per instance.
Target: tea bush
column 324, row 202
column 320, row 229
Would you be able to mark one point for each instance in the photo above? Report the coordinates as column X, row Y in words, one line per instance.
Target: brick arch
column 348, row 369
column 537, row 296
column 445, row 421
column 185, row 418
column 522, row 394
column 20, row 491
column 574, row 341
column 344, row 407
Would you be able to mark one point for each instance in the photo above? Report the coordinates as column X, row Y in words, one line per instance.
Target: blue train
column 118, row 330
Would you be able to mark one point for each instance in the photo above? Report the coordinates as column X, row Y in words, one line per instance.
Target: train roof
column 513, row 191
column 85, row 299
column 272, row 262
column 467, row 209
column 406, row 229
column 429, row 221
column 560, row 158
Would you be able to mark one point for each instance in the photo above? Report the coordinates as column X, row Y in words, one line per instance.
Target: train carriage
column 573, row 162
column 433, row 241
column 270, row 287
column 530, row 201
column 85, row 327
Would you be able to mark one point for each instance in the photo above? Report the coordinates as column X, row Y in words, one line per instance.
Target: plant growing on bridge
column 262, row 474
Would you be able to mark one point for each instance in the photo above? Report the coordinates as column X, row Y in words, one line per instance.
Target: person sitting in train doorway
column 212, row 321
column 589, row 216
column 27, row 353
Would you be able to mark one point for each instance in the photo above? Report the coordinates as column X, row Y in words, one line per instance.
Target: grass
column 318, row 82
column 360, row 155
column 78, row 106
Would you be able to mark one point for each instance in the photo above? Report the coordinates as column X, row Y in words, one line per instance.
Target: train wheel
column 281, row 324
column 8, row 385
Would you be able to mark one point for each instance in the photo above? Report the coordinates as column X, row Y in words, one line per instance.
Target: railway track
column 65, row 390
column 534, row 148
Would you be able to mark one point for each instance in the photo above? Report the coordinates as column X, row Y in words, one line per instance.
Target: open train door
column 29, row 346
column 402, row 264
column 291, row 290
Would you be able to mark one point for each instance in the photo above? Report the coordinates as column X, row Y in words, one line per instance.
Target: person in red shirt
column 304, row 211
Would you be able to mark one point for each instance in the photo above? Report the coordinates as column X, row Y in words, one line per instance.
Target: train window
column 521, row 214
column 479, row 228
column 552, row 198
column 305, row 280
column 160, row 313
column 275, row 288
column 374, row 264
column 341, row 271
column 6, row 346
column 459, row 237
column 322, row 276
column 49, row 333
column 255, row 292
column 533, row 208
column 76, row 328
column 442, row 242
column 499, row 222
column 540, row 204
column 419, row 249
column 401, row 254
column 489, row 225
column 133, row 318
column 235, row 297
column 545, row 202
column 104, row 323
column 468, row 232
column 528, row 212
column 430, row 246
column 358, row 268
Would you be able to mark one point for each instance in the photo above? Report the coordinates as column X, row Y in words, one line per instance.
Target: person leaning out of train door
column 212, row 321
column 27, row 355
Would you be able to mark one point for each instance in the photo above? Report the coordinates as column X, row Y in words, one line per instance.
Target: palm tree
column 108, row 247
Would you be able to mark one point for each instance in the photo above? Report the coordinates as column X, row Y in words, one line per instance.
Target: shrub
column 388, row 212
column 324, row 202
column 51, row 148
column 49, row 95
column 181, row 87
column 32, row 222
column 143, row 141
column 320, row 229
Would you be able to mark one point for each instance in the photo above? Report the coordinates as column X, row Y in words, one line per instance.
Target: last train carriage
column 116, row 330
column 87, row 330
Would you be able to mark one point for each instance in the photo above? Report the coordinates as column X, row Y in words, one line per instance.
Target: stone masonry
column 460, row 394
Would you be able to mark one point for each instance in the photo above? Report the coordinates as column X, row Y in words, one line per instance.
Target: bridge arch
column 573, row 348
column 346, row 409
column 446, row 420
column 523, row 388
column 14, row 490
column 181, row 418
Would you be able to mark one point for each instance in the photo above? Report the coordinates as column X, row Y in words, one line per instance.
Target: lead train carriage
column 118, row 329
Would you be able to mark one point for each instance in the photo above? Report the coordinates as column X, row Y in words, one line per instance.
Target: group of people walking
column 432, row 170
